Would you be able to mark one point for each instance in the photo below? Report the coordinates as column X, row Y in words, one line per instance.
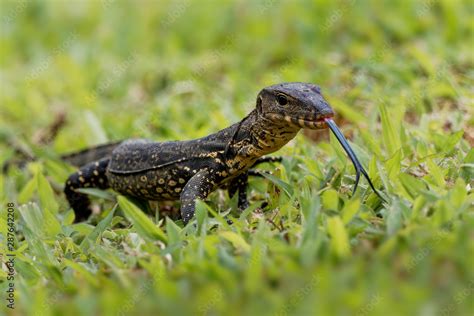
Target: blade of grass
column 142, row 224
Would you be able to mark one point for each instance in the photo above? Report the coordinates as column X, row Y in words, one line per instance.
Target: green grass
column 398, row 73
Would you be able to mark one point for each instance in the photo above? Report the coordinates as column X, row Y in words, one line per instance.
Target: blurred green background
column 399, row 75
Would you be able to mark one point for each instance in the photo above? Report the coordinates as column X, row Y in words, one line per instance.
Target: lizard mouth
column 318, row 123
column 314, row 122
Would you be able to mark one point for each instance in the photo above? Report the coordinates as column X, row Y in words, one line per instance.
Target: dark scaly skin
column 190, row 170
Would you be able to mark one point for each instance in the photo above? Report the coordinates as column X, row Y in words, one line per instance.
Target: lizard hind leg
column 92, row 175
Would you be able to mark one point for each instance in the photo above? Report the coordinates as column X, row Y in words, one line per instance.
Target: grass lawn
column 400, row 77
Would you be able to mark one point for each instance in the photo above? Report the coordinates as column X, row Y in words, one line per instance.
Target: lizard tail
column 85, row 156
column 78, row 159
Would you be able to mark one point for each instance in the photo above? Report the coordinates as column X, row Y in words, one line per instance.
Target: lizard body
column 190, row 170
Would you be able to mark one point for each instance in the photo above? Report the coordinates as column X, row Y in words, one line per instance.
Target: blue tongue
column 357, row 165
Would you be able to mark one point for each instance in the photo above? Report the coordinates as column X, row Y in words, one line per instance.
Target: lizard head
column 298, row 104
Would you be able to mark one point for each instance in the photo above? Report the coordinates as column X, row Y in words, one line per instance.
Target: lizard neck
column 256, row 136
column 269, row 136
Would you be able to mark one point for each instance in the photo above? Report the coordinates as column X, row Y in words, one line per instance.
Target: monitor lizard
column 191, row 169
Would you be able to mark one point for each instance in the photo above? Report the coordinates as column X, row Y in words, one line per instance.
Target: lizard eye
column 282, row 100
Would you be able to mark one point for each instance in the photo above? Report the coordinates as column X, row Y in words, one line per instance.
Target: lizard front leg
column 267, row 159
column 198, row 187
column 240, row 184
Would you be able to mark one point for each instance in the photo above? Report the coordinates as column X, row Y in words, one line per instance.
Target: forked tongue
column 357, row 165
